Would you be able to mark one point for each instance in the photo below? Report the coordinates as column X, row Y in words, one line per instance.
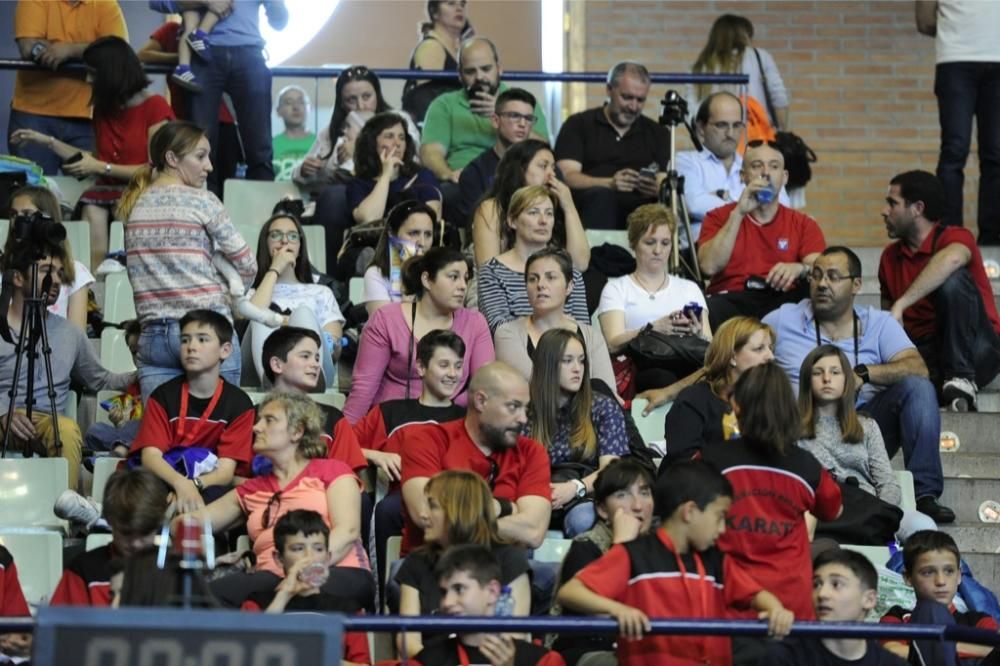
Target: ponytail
column 140, row 180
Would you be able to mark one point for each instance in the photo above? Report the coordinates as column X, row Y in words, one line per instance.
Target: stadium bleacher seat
column 119, row 303
column 38, row 556
column 600, row 236
column 250, row 202
column 651, row 427
column 552, row 550
column 331, row 397
column 104, row 467
column 356, row 290
column 31, row 486
column 71, row 188
column 116, row 238
column 78, row 235
column 115, row 355
column 97, row 540
column 909, row 499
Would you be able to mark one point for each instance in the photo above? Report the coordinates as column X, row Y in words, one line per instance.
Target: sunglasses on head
column 356, row 72
column 757, row 143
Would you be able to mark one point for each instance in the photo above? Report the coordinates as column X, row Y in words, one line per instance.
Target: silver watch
column 581, row 488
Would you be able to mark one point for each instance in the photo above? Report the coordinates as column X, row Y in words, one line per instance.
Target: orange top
column 60, row 93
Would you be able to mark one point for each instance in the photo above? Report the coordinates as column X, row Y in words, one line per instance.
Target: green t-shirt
column 288, row 153
column 464, row 135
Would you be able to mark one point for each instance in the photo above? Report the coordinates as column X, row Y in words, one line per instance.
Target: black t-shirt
column 573, row 646
column 476, row 178
column 797, row 651
column 588, row 138
column 417, row 571
column 694, row 421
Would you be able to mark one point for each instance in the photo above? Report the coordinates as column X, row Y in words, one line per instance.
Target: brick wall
column 860, row 79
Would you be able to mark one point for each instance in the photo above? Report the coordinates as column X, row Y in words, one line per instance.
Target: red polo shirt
column 900, row 266
column 789, row 237
column 521, row 470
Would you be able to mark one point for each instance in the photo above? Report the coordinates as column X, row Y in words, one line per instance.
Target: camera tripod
column 32, row 331
column 671, row 192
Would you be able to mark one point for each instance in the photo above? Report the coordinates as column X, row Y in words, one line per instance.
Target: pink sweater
column 380, row 371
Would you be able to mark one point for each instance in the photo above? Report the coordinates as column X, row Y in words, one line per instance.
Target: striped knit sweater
column 169, row 239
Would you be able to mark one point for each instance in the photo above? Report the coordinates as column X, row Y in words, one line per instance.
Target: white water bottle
column 505, row 603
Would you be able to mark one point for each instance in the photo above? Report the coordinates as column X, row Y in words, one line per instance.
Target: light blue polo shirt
column 881, row 338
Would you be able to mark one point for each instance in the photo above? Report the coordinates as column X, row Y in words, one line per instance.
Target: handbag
column 865, row 521
column 798, row 155
column 653, row 349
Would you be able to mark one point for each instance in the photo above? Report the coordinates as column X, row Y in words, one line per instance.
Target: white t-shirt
column 966, row 31
column 316, row 297
column 376, row 286
column 83, row 280
column 622, row 294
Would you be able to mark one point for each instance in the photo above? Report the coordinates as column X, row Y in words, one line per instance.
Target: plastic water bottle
column 241, row 171
column 765, row 196
column 505, row 603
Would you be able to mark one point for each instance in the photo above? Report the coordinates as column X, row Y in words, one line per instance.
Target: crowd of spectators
column 494, row 358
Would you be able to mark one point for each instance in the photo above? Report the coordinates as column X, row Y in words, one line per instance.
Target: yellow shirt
column 61, row 94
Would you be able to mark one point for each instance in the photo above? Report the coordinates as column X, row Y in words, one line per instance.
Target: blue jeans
column 579, row 519
column 241, row 72
column 907, row 414
column 964, row 90
column 104, row 436
column 159, row 356
column 77, row 132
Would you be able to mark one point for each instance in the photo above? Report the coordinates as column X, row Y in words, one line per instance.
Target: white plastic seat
column 909, row 496
column 71, row 188
column 38, row 556
column 597, row 237
column 28, row 491
column 119, row 302
column 116, row 238
column 115, row 355
column 652, row 427
column 250, row 202
column 78, row 235
column 331, row 397
column 96, row 540
column 104, row 467
column 552, row 550
column 356, row 290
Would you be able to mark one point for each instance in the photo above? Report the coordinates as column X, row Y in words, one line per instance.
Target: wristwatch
column 581, row 488
column 198, row 483
column 861, row 370
column 107, row 168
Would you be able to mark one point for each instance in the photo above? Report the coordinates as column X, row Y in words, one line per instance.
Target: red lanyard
column 182, row 421
column 699, row 567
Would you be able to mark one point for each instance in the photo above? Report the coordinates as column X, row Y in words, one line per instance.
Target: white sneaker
column 110, row 265
column 74, row 507
column 960, row 394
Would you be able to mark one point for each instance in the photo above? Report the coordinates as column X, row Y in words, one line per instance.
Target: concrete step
column 975, row 537
column 977, row 433
column 964, row 495
column 963, row 464
column 985, row 567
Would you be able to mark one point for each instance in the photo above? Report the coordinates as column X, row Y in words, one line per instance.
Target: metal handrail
column 322, row 72
column 543, row 624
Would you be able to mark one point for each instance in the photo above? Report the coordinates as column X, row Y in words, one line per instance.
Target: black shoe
column 930, row 506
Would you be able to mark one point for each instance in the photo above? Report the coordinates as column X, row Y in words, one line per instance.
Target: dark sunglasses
column 757, row 143
column 275, row 502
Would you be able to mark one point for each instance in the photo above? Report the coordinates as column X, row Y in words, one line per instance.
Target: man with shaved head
column 757, row 251
column 487, row 441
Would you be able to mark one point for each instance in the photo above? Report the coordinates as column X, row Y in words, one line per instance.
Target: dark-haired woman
column 623, row 498
column 775, row 483
column 126, row 116
column 386, row 171
column 582, row 430
column 440, row 37
column 530, row 162
column 408, row 232
column 284, row 279
column 385, row 367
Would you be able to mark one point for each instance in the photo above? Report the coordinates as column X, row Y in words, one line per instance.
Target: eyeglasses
column 738, row 126
column 275, row 502
column 515, row 117
column 833, row 277
column 278, row 236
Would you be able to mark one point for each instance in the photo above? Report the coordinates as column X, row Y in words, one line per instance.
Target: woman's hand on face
column 560, row 189
column 283, row 258
column 624, row 526
column 389, row 163
column 562, row 493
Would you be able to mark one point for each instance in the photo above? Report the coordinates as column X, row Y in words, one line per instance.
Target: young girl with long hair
column 582, row 430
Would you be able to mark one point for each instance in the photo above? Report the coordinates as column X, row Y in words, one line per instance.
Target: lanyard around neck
column 182, row 420
column 856, row 337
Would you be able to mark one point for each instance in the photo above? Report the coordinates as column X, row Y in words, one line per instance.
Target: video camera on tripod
column 33, row 237
column 674, row 112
